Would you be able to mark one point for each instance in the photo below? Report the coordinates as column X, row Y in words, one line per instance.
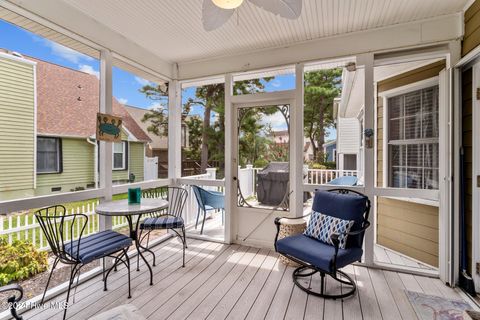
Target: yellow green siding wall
column 135, row 164
column 136, row 161
column 17, row 114
column 78, row 168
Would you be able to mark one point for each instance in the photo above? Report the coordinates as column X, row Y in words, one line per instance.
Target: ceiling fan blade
column 214, row 17
column 290, row 9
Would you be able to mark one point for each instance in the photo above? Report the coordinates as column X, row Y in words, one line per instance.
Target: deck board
column 238, row 282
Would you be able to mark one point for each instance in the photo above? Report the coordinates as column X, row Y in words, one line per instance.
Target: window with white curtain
column 413, row 137
column 48, row 155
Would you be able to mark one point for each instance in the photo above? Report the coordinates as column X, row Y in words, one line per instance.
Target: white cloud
column 122, row 100
column 89, row 69
column 142, row 81
column 276, row 83
column 65, row 53
column 276, row 121
column 156, row 106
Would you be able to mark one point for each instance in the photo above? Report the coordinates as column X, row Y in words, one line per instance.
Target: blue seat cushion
column 343, row 206
column 98, row 245
column 317, row 253
column 166, row 222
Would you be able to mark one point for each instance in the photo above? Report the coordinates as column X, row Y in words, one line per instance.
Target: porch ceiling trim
column 426, row 32
column 63, row 17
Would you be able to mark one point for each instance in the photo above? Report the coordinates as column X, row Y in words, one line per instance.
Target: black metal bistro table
column 121, row 208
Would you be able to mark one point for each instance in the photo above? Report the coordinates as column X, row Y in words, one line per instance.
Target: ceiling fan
column 217, row 12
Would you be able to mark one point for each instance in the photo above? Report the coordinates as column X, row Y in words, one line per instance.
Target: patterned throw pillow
column 321, row 227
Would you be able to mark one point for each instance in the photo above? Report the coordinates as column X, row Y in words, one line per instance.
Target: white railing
column 323, row 176
column 26, row 227
column 207, row 181
column 248, row 177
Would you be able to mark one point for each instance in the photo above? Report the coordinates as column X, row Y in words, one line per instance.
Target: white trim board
column 439, row 30
column 410, row 87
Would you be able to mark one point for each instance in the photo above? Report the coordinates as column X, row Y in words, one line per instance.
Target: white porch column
column 174, row 131
column 230, row 192
column 105, row 223
column 366, row 60
column 296, row 152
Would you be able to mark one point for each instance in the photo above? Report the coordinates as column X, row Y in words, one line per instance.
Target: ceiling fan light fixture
column 228, row 4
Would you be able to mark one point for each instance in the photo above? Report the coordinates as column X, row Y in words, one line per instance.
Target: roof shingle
column 68, row 101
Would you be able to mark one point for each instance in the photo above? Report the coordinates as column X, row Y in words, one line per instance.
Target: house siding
column 78, row 168
column 17, row 141
column 348, row 130
column 135, row 164
column 407, row 227
column 471, row 38
column 136, row 160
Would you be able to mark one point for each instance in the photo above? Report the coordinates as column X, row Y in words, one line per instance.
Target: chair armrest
column 336, row 241
column 12, row 300
column 13, row 287
column 278, row 223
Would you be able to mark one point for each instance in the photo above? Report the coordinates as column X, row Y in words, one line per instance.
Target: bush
column 317, row 166
column 20, row 260
column 260, row 163
column 331, row 165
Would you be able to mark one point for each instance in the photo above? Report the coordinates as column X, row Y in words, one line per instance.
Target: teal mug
column 134, row 195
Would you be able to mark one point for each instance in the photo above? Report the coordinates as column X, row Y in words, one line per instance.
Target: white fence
column 204, row 181
column 322, row 176
column 26, row 227
column 150, row 171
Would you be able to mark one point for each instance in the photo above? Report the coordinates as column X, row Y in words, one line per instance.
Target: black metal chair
column 315, row 256
column 169, row 218
column 55, row 224
column 14, row 299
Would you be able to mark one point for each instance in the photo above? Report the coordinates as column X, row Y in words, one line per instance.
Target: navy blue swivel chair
column 315, row 256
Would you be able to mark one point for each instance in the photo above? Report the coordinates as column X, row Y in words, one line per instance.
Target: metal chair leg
column 203, row 222
column 49, row 278
column 198, row 215
column 185, row 237
column 127, row 259
column 184, row 240
column 73, row 272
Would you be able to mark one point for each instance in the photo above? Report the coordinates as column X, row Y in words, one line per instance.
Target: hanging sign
column 109, row 128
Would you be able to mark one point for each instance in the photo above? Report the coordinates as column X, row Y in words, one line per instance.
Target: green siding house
column 47, row 141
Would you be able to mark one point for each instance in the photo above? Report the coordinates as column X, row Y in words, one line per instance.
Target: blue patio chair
column 207, row 201
column 326, row 258
column 55, row 223
column 344, row 181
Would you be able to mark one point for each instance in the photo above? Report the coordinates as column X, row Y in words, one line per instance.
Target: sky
column 125, row 84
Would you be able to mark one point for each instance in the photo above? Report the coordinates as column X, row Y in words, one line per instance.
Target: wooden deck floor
column 237, row 282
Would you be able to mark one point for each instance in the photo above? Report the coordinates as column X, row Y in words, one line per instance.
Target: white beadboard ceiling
column 172, row 29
